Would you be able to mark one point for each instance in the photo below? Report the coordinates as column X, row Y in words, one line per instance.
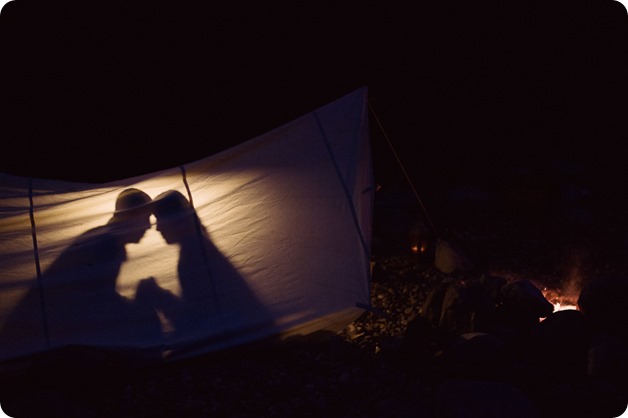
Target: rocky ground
column 368, row 370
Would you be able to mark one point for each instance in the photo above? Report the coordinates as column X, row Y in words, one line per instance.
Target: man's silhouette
column 78, row 302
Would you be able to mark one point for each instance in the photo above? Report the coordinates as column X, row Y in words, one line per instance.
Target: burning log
column 561, row 302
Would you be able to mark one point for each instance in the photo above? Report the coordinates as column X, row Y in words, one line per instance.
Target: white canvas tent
column 284, row 229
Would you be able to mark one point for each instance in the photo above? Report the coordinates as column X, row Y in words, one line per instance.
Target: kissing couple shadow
column 76, row 302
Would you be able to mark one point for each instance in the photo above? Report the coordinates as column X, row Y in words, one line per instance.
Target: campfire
column 560, row 301
column 566, row 297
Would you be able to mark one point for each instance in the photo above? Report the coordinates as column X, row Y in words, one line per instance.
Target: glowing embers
column 560, row 301
column 566, row 296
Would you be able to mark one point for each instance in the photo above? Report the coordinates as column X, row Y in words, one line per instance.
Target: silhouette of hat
column 131, row 199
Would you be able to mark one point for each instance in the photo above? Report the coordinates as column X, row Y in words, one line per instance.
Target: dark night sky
column 468, row 93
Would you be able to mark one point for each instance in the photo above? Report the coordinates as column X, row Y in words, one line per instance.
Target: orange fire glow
column 566, row 297
column 558, row 306
column 561, row 302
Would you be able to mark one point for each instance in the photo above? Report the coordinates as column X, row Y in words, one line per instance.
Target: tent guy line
column 405, row 173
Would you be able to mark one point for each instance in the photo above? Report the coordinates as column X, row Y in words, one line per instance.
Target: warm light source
column 563, row 306
column 560, row 302
column 418, row 248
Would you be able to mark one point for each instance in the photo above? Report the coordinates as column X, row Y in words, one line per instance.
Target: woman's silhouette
column 216, row 304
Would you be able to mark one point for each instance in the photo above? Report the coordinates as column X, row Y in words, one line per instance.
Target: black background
column 495, row 95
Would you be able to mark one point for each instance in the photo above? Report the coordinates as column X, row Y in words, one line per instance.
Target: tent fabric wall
column 286, row 218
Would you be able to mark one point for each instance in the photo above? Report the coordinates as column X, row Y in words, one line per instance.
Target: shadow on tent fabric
column 75, row 302
column 216, row 308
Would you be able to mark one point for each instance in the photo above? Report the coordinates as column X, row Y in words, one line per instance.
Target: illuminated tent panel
column 281, row 247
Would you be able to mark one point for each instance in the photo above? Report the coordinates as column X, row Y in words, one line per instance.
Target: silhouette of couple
column 77, row 302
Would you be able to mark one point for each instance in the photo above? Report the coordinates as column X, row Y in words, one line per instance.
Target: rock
column 421, row 342
column 466, row 308
column 563, row 340
column 46, row 403
column 433, row 304
column 457, row 310
column 607, row 399
column 602, row 301
column 493, row 286
column 449, row 258
column 477, row 355
column 608, row 359
column 457, row 398
column 524, row 297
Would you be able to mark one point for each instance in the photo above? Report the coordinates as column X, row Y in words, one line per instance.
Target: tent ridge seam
column 356, row 222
